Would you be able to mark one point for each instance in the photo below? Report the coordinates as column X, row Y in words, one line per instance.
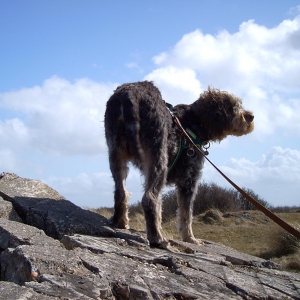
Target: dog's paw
column 195, row 241
column 162, row 244
column 119, row 224
column 198, row 242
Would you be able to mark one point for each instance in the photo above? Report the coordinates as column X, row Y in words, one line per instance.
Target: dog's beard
column 240, row 126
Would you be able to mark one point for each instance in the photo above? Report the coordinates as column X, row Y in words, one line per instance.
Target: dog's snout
column 249, row 118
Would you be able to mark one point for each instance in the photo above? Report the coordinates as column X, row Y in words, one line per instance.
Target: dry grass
column 103, row 211
column 139, row 222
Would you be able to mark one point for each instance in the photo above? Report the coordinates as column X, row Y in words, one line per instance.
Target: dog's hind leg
column 119, row 170
column 155, row 178
column 185, row 197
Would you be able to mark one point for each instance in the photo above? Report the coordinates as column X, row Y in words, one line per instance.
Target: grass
column 250, row 232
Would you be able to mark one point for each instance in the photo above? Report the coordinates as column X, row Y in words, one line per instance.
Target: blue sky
column 61, row 60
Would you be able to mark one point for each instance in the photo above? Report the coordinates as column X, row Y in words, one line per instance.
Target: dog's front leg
column 186, row 193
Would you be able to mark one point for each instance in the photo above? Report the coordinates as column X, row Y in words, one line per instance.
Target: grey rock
column 13, row 234
column 72, row 286
column 33, row 261
column 42, row 207
column 118, row 264
column 211, row 216
column 7, row 211
column 10, row 291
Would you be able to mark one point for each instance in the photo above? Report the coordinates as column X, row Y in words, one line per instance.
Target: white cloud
column 9, row 162
column 176, row 85
column 259, row 64
column 275, row 176
column 282, row 165
column 132, row 65
column 96, row 189
column 59, row 116
column 13, row 133
column 93, row 190
column 294, row 11
column 135, row 66
column 254, row 50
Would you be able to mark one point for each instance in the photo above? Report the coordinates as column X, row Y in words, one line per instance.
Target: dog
column 139, row 128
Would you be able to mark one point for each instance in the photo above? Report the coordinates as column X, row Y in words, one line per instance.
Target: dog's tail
column 122, row 123
column 132, row 128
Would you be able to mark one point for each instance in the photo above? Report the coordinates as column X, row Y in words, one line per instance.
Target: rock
column 10, row 290
column 7, row 211
column 121, row 265
column 227, row 215
column 41, row 206
column 13, row 234
column 211, row 216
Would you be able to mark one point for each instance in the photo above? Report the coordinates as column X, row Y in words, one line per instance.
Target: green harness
column 183, row 143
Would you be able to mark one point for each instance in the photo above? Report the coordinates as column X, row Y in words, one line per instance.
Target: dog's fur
column 139, row 128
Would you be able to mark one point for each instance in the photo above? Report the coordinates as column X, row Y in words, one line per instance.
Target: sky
column 60, row 61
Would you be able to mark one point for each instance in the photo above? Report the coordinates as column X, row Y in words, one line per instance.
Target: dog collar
column 185, row 144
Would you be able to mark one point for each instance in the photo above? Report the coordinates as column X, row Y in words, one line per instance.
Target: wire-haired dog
column 139, row 128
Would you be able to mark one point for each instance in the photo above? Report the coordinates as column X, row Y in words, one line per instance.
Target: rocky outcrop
column 52, row 249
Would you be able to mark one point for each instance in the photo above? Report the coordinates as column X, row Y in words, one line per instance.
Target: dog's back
column 135, row 120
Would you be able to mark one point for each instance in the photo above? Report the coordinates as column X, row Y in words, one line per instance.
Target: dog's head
column 222, row 114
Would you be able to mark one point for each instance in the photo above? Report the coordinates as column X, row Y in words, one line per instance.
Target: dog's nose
column 249, row 118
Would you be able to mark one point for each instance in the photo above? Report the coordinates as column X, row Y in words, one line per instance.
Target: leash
column 258, row 205
column 184, row 143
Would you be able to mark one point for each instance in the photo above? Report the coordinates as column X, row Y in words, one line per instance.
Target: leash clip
column 205, row 152
column 190, row 152
column 205, row 145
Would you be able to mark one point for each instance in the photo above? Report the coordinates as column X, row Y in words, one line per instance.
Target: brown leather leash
column 267, row 212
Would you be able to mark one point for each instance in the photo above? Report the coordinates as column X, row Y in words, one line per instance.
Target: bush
column 246, row 205
column 285, row 209
column 211, row 196
column 287, row 243
column 282, row 244
column 135, row 208
column 169, row 205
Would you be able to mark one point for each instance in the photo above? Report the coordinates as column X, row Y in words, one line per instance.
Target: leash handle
column 262, row 208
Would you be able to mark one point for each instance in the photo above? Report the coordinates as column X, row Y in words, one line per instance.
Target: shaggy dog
column 139, row 128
